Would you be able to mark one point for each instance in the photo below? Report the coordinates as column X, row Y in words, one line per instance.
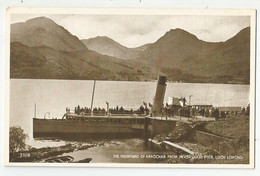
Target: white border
column 133, row 11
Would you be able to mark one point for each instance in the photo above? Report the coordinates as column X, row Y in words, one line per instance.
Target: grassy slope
column 233, row 127
column 236, row 128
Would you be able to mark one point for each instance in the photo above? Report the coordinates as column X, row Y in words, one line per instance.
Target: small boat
column 87, row 160
column 61, row 159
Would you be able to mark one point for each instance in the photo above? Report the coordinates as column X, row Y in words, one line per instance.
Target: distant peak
column 41, row 19
column 103, row 37
column 100, row 38
column 246, row 29
column 179, row 31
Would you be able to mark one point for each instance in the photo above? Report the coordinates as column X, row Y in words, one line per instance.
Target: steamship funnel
column 159, row 95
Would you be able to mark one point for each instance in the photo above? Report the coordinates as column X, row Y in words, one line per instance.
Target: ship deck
column 183, row 119
column 119, row 116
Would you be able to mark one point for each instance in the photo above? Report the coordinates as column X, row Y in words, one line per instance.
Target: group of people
column 80, row 110
column 168, row 111
column 188, row 111
column 102, row 111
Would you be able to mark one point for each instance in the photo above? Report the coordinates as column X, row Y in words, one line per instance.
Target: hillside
column 143, row 47
column 47, row 63
column 230, row 59
column 109, row 47
column 212, row 62
column 45, row 32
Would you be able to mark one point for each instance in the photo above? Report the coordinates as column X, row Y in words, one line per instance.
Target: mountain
column 178, row 49
column 143, row 47
column 43, row 31
column 230, row 59
column 106, row 46
column 41, row 49
column 47, row 63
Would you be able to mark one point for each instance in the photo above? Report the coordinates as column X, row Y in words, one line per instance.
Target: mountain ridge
column 107, row 46
column 43, row 31
column 45, row 50
column 191, row 55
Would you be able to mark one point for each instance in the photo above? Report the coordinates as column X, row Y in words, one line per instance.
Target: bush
column 17, row 139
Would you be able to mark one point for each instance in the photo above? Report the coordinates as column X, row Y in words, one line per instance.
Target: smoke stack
column 159, row 95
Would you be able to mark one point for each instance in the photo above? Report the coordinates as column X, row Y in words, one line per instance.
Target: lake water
column 54, row 96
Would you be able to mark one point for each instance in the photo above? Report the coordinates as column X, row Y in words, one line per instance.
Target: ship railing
column 86, row 114
column 102, row 112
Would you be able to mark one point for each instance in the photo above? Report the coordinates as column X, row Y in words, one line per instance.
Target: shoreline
column 208, row 143
column 41, row 154
column 223, row 138
column 144, row 81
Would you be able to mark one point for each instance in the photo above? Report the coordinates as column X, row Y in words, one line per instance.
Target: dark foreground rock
column 34, row 154
column 182, row 132
column 37, row 155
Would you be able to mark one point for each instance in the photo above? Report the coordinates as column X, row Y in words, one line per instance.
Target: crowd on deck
column 167, row 110
column 102, row 111
column 189, row 111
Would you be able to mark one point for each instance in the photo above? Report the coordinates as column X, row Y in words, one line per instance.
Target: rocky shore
column 39, row 155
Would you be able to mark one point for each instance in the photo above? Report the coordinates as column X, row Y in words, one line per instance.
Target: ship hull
column 79, row 129
column 83, row 136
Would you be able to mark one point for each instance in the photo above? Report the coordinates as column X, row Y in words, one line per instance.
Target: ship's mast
column 35, row 110
column 93, row 97
column 190, row 99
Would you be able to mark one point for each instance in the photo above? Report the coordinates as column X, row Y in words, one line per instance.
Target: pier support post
column 146, row 125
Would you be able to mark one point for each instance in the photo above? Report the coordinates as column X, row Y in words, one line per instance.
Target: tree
column 17, row 139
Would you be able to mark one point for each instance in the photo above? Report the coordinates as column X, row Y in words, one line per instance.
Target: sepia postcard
column 130, row 87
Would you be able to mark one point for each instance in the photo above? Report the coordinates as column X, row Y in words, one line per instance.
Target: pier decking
column 183, row 119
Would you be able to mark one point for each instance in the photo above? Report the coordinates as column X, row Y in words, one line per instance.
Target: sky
column 135, row 30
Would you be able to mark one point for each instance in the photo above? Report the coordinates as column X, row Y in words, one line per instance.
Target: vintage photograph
column 126, row 87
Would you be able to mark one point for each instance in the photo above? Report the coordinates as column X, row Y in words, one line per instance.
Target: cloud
column 136, row 30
